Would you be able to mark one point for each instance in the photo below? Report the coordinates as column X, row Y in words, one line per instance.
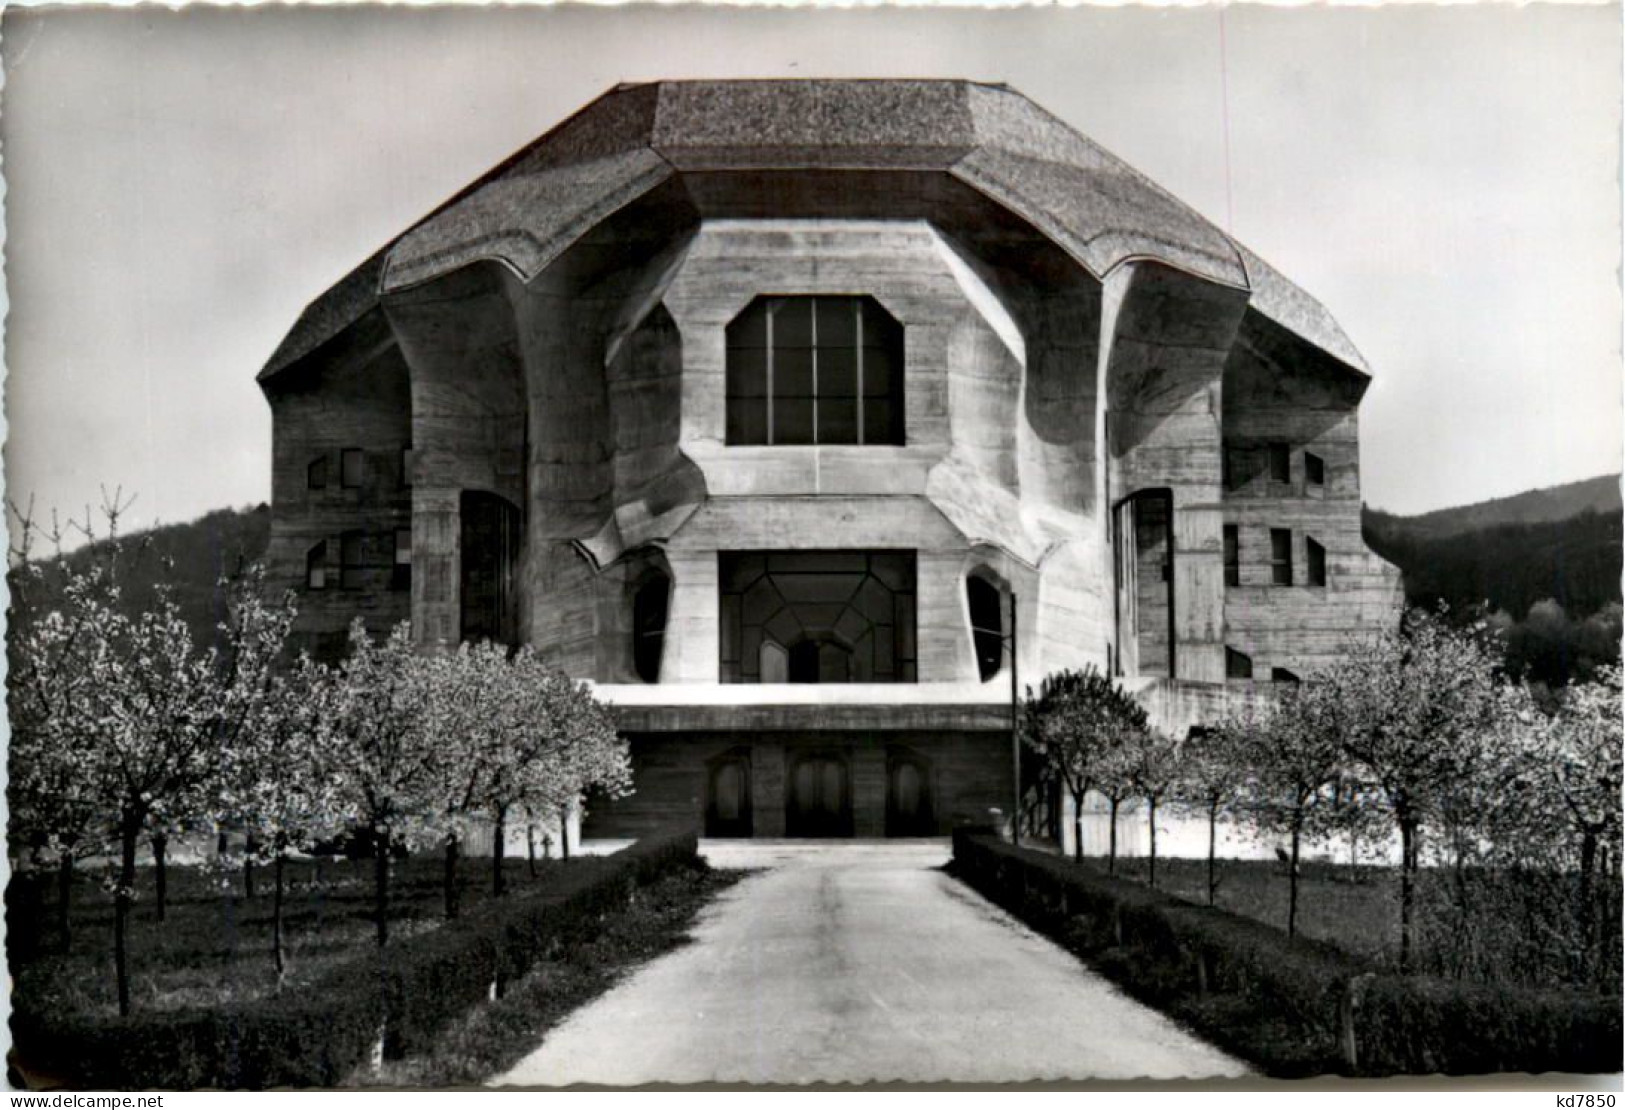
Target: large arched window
column 649, row 608
column 986, row 623
column 815, row 370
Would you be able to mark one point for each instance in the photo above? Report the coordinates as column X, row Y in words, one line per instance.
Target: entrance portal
column 819, row 801
column 727, row 805
column 908, row 796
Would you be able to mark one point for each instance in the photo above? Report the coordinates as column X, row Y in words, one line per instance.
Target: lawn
column 214, row 945
column 1516, row 931
column 1357, row 910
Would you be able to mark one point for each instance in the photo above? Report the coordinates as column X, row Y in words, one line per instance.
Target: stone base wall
column 967, row 774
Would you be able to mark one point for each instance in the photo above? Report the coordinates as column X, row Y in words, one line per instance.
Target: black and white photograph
column 774, row 547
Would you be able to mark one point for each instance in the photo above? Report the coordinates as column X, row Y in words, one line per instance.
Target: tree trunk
column 499, row 843
column 121, row 911
column 530, row 846
column 1407, row 892
column 1212, row 851
column 64, row 897
column 564, row 832
column 1111, row 854
column 160, row 872
column 380, row 884
column 1077, row 826
column 1292, row 880
column 222, row 844
column 1588, row 867
column 1153, row 814
column 250, row 846
column 449, row 878
column 276, row 918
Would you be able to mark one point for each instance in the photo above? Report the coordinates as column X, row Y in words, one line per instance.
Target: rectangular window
column 316, row 567
column 350, row 565
column 402, row 577
column 1281, row 556
column 1280, row 462
column 1236, row 664
column 316, row 473
column 1281, row 674
column 1317, row 562
column 406, row 466
column 350, row 468
column 1314, row 470
column 1232, row 555
column 814, row 370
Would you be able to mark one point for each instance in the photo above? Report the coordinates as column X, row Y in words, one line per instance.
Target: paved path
column 861, row 962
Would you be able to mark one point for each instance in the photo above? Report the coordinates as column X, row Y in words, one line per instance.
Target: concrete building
column 755, row 403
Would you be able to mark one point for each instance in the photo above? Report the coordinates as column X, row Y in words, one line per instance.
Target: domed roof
column 529, row 210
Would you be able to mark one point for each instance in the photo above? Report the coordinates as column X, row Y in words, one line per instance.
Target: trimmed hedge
column 318, row 1036
column 1293, row 1006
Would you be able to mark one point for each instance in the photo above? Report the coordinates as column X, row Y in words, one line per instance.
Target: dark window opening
column 814, row 370
column 401, row 579
column 1236, row 664
column 350, row 468
column 1281, row 556
column 649, row 609
column 1280, row 462
column 489, row 542
column 1235, row 467
column 350, row 565
column 1317, row 562
column 1232, row 555
column 316, row 473
column 316, row 567
column 1314, row 469
column 406, row 466
column 817, row 616
column 987, row 625
column 1281, row 674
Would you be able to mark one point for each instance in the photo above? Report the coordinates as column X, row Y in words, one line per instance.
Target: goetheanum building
column 756, row 403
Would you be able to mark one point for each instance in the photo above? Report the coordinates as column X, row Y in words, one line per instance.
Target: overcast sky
column 179, row 186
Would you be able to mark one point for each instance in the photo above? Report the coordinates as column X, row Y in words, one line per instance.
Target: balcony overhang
column 845, row 707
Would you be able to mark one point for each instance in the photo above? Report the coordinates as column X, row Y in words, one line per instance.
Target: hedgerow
column 399, row 996
column 1292, row 1006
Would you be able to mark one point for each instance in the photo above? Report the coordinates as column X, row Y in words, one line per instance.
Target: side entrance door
column 819, row 801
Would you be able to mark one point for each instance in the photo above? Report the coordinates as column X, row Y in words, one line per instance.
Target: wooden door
column 820, row 797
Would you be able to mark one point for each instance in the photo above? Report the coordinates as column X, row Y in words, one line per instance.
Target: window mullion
column 770, row 314
column 857, row 342
column 814, row 332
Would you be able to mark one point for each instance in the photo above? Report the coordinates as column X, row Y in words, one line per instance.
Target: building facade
column 773, row 408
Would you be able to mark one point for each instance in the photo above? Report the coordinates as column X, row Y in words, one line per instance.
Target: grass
column 214, row 945
column 1356, row 910
column 495, row 1036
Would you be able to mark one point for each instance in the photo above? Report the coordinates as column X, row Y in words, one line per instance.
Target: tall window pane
column 1281, row 556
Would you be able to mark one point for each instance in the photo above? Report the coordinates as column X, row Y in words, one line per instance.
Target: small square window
column 1314, row 469
column 350, row 468
column 1280, row 462
column 402, row 576
column 1317, row 562
column 316, row 473
column 1236, row 664
column 1281, row 556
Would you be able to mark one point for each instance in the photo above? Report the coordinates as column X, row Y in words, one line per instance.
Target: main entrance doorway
column 819, row 800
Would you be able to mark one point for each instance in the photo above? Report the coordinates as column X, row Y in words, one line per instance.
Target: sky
column 178, row 185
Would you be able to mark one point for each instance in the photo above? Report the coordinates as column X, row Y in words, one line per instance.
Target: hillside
column 1544, row 565
column 1536, row 506
column 197, row 554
